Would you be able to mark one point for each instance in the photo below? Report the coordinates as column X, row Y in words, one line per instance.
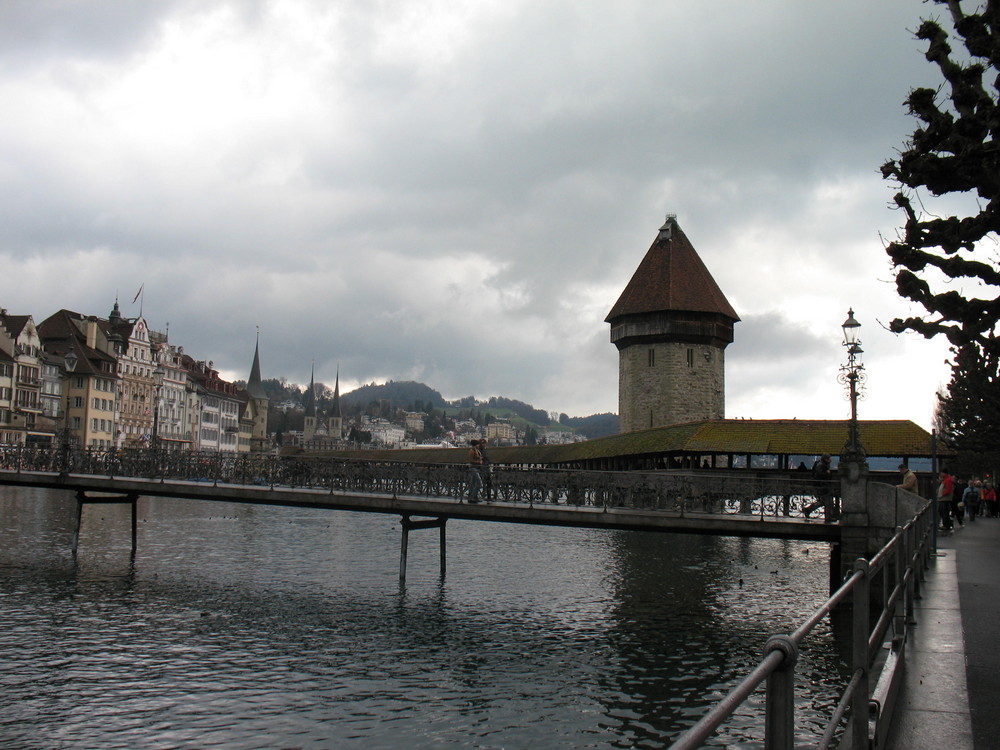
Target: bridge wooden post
column 135, row 503
column 80, row 498
column 407, row 524
column 403, row 545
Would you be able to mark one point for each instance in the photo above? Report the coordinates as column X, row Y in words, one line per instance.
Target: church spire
column 254, row 386
column 336, row 396
column 311, row 396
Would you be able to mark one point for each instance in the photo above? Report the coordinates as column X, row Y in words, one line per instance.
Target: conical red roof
column 671, row 278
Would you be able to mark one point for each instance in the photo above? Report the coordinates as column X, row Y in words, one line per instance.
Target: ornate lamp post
column 852, row 375
column 158, row 374
column 70, row 360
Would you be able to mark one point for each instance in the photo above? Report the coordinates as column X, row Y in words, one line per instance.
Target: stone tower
column 671, row 326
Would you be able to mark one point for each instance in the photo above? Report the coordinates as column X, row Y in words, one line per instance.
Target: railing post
column 913, row 559
column 903, row 598
column 779, row 720
column 858, row 727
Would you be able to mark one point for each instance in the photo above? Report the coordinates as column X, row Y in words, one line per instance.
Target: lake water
column 241, row 626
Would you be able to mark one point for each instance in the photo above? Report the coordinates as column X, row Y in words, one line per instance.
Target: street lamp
column 70, row 360
column 158, row 374
column 852, row 375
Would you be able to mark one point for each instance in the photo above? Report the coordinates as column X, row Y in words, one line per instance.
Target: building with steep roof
column 21, row 416
column 671, row 326
column 214, row 407
column 90, row 387
column 137, row 384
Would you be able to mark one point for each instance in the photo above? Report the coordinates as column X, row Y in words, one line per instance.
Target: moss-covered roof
column 884, row 438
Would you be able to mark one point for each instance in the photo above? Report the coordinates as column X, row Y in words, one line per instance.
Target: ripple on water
column 270, row 627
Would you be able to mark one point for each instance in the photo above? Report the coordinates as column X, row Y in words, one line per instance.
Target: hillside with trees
column 390, row 399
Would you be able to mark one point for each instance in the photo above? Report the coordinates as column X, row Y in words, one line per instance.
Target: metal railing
column 731, row 493
column 898, row 567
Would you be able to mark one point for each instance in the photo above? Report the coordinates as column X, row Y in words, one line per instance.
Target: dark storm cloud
column 455, row 193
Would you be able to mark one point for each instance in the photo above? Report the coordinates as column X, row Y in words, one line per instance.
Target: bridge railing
column 894, row 573
column 677, row 492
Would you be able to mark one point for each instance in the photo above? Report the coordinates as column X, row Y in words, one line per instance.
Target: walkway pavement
column 951, row 689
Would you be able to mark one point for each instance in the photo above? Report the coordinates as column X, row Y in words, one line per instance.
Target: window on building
column 652, row 357
column 690, row 357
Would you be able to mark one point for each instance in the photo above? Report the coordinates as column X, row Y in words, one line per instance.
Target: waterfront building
column 9, row 432
column 50, row 394
column 20, row 398
column 214, row 407
column 89, row 376
column 137, row 382
column 173, row 424
column 671, row 326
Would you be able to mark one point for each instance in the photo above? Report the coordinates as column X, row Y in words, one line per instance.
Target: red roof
column 671, row 278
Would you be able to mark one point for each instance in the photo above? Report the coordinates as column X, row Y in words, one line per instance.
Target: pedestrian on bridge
column 945, row 493
column 989, row 497
column 970, row 498
column 475, row 466
column 823, row 484
column 487, row 469
column 909, row 479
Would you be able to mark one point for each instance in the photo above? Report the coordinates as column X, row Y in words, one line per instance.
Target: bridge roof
column 880, row 438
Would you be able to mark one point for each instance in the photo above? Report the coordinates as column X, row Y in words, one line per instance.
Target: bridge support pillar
column 871, row 514
column 82, row 499
column 408, row 524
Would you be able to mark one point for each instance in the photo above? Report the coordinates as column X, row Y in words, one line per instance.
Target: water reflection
column 246, row 627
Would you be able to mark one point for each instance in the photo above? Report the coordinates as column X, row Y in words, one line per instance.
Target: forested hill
column 402, row 394
column 409, row 394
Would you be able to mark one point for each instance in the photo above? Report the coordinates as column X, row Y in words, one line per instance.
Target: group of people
column 479, row 464
column 960, row 501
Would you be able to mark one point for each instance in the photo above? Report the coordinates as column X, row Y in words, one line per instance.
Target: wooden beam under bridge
column 82, row 498
column 408, row 525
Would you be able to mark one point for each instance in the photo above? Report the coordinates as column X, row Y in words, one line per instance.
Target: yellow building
column 90, row 378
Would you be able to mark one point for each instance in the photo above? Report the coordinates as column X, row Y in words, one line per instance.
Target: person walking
column 823, row 483
column 971, row 498
column 487, row 470
column 475, row 466
column 945, row 492
column 989, row 498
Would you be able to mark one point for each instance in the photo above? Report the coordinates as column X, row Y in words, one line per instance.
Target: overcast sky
column 457, row 191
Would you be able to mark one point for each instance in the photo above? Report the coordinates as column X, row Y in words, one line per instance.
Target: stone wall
column 668, row 383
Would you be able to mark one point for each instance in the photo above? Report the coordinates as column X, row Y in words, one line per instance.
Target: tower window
column 652, row 357
column 690, row 357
